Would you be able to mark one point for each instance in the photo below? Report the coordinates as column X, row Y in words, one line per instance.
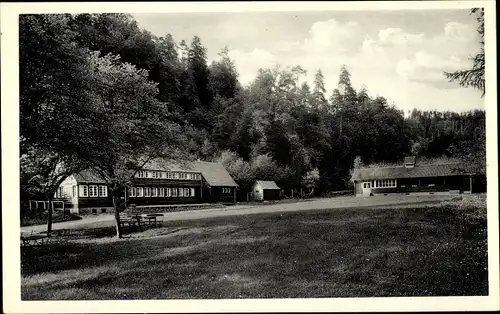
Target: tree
column 45, row 170
column 311, row 180
column 223, row 76
column 53, row 98
column 319, row 90
column 129, row 126
column 473, row 77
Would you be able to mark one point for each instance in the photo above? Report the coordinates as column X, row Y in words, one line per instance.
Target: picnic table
column 152, row 219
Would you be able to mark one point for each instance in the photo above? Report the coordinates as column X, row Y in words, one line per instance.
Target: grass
column 342, row 253
column 40, row 218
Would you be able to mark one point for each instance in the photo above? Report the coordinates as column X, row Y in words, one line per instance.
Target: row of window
column 82, row 191
column 391, row 183
column 168, row 175
column 91, row 191
column 160, row 192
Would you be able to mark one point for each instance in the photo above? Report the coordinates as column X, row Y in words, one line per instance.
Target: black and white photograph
column 343, row 152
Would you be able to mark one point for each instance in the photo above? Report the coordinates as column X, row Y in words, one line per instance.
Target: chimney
column 410, row 161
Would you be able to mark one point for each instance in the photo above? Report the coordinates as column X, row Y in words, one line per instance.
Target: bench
column 131, row 220
column 32, row 240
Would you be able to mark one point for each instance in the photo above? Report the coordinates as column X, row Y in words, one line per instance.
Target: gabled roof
column 268, row 185
column 419, row 171
column 159, row 164
column 214, row 173
column 88, row 176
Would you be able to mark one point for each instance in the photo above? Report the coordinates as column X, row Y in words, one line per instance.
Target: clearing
column 346, row 252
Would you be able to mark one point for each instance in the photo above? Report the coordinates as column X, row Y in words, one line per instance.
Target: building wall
column 257, row 192
column 421, row 185
column 68, row 193
column 219, row 194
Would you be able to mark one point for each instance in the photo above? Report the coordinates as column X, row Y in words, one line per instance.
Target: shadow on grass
column 345, row 253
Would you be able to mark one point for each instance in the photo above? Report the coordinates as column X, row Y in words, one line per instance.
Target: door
column 366, row 188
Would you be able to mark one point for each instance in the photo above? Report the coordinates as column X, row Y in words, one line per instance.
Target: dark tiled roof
column 419, row 171
column 215, row 174
column 268, row 185
column 88, row 176
column 170, row 165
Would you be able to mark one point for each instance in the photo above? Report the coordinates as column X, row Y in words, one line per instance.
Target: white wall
column 68, row 197
column 257, row 192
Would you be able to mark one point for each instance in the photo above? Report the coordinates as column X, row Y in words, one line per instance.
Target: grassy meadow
column 440, row 250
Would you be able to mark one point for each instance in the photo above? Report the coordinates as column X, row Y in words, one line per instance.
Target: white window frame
column 187, row 192
column 140, row 192
column 154, row 192
column 93, row 191
column 131, row 192
column 83, row 191
column 102, row 191
column 174, row 192
column 161, row 192
column 147, row 192
column 180, row 192
column 192, row 192
column 168, row 192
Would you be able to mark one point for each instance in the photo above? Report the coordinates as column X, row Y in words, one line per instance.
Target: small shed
column 265, row 191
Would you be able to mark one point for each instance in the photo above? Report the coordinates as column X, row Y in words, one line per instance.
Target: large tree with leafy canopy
column 129, row 128
column 53, row 97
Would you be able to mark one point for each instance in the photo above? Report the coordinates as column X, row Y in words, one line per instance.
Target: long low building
column 412, row 178
column 159, row 183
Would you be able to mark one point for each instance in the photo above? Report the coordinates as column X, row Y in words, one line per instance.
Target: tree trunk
column 49, row 216
column 117, row 214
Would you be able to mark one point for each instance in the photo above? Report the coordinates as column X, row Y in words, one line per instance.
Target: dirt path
column 316, row 204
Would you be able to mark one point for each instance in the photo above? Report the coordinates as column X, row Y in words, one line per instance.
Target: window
column 187, row 192
column 59, row 192
column 147, row 192
column 83, row 190
column 140, row 192
column 176, row 175
column 226, row 190
column 103, row 191
column 386, row 183
column 168, row 192
column 181, row 192
column 154, row 192
column 162, row 175
column 188, row 176
column 93, row 191
column 192, row 192
column 161, row 192
column 141, row 174
column 131, row 192
column 174, row 192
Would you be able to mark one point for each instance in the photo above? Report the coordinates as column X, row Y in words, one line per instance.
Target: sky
column 400, row 55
